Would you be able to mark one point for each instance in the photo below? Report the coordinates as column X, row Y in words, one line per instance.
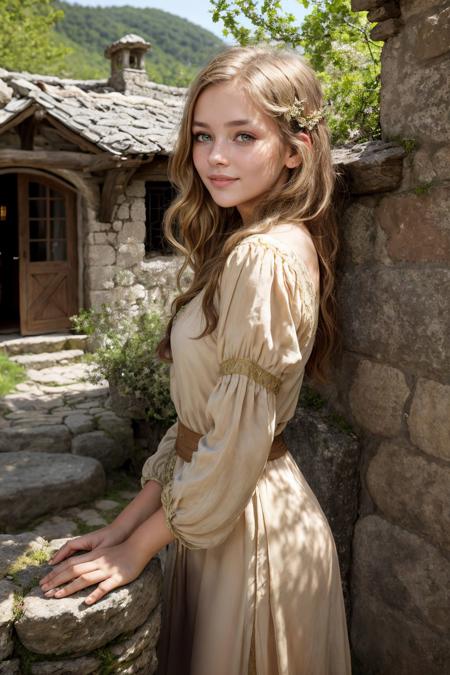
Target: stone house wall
column 393, row 382
column 117, row 268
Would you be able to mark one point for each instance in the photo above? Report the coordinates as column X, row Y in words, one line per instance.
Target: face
column 237, row 151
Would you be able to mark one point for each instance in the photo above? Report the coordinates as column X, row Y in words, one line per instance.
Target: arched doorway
column 38, row 268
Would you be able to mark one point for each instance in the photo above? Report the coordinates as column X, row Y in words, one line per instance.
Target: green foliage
column 27, row 40
column 179, row 48
column 11, row 374
column 336, row 43
column 125, row 356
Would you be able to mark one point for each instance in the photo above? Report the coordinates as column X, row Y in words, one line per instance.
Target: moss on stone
column 341, row 423
column 109, row 662
column 36, row 557
column 17, row 605
column 408, row 144
column 311, row 399
column 423, row 188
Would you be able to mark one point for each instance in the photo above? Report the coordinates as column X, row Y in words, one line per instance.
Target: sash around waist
column 187, row 440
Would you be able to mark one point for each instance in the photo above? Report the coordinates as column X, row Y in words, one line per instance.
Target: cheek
column 197, row 156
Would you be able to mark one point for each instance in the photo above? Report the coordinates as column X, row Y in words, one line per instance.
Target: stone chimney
column 128, row 74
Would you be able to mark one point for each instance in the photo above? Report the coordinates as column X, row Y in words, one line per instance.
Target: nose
column 217, row 154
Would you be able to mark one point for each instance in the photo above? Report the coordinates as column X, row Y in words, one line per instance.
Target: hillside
column 179, row 47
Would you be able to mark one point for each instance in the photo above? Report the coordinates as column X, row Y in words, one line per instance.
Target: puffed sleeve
column 256, row 344
column 156, row 466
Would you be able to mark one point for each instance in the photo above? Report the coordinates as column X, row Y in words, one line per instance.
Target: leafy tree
column 27, row 40
column 336, row 43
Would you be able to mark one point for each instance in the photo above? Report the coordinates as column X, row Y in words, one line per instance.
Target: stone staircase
column 61, row 449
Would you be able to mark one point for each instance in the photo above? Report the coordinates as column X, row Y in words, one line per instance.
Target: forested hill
column 179, row 47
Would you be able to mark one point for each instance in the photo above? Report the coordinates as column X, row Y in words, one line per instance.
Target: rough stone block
column 364, row 5
column 137, row 210
column 363, row 240
column 400, row 601
column 130, row 254
column 441, row 162
column 101, row 254
column 13, row 546
column 133, row 230
column 97, row 277
column 423, row 169
column 390, row 10
column 99, row 298
column 411, row 490
column 79, row 423
column 42, row 438
column 400, row 315
column 429, row 418
column 83, row 665
column 370, row 167
column 7, row 589
column 69, row 626
column 377, row 397
column 10, row 667
column 65, row 480
column 109, row 451
column 433, row 35
column 386, row 29
column 417, row 227
column 145, row 637
column 123, row 212
column 403, row 78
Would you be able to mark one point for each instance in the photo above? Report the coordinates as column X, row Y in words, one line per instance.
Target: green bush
column 125, row 356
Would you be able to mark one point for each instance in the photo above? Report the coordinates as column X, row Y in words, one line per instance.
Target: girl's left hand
column 110, row 567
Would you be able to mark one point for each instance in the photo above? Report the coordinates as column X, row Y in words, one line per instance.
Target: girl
column 252, row 581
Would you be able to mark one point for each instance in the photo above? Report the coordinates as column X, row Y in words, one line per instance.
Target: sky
column 196, row 11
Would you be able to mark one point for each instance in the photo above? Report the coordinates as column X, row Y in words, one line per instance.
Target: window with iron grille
column 158, row 196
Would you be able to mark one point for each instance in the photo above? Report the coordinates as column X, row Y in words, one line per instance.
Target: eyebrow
column 234, row 123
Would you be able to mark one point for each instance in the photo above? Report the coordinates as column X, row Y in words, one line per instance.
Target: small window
column 158, row 196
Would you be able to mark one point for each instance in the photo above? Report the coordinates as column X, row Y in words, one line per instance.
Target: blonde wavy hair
column 207, row 233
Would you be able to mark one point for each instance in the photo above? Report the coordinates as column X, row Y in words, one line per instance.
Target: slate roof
column 114, row 122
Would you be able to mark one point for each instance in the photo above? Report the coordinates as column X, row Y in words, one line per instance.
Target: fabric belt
column 187, row 442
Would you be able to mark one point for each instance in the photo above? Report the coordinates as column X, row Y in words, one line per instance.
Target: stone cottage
column 387, row 500
column 83, row 187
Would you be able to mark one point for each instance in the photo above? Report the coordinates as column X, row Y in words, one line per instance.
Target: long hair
column 207, row 233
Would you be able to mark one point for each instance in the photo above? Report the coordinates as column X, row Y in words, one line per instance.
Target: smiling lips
column 220, row 180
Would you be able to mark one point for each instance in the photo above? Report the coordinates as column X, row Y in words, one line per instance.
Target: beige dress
column 252, row 581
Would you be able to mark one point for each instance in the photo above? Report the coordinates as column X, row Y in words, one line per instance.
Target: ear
column 293, row 158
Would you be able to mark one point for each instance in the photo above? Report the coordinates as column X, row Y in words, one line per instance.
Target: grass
column 11, row 374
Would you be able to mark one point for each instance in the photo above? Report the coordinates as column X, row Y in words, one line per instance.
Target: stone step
column 49, row 359
column 60, row 376
column 38, row 344
column 33, row 484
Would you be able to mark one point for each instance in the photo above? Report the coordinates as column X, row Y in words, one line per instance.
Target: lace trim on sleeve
column 251, row 370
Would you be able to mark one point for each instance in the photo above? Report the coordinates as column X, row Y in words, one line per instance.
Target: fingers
column 84, row 580
column 66, row 571
column 68, row 548
column 102, row 589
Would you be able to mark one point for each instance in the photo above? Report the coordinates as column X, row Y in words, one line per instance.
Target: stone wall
column 116, row 266
column 394, row 379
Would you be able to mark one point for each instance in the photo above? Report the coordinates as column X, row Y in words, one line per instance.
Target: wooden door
column 48, row 255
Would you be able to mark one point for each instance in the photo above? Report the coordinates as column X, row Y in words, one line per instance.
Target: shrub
column 125, row 356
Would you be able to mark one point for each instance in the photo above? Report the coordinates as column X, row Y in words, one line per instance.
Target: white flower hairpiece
column 296, row 112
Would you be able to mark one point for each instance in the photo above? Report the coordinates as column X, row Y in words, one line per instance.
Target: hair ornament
column 296, row 111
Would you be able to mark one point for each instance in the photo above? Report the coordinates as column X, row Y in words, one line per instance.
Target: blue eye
column 198, row 139
column 248, row 137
